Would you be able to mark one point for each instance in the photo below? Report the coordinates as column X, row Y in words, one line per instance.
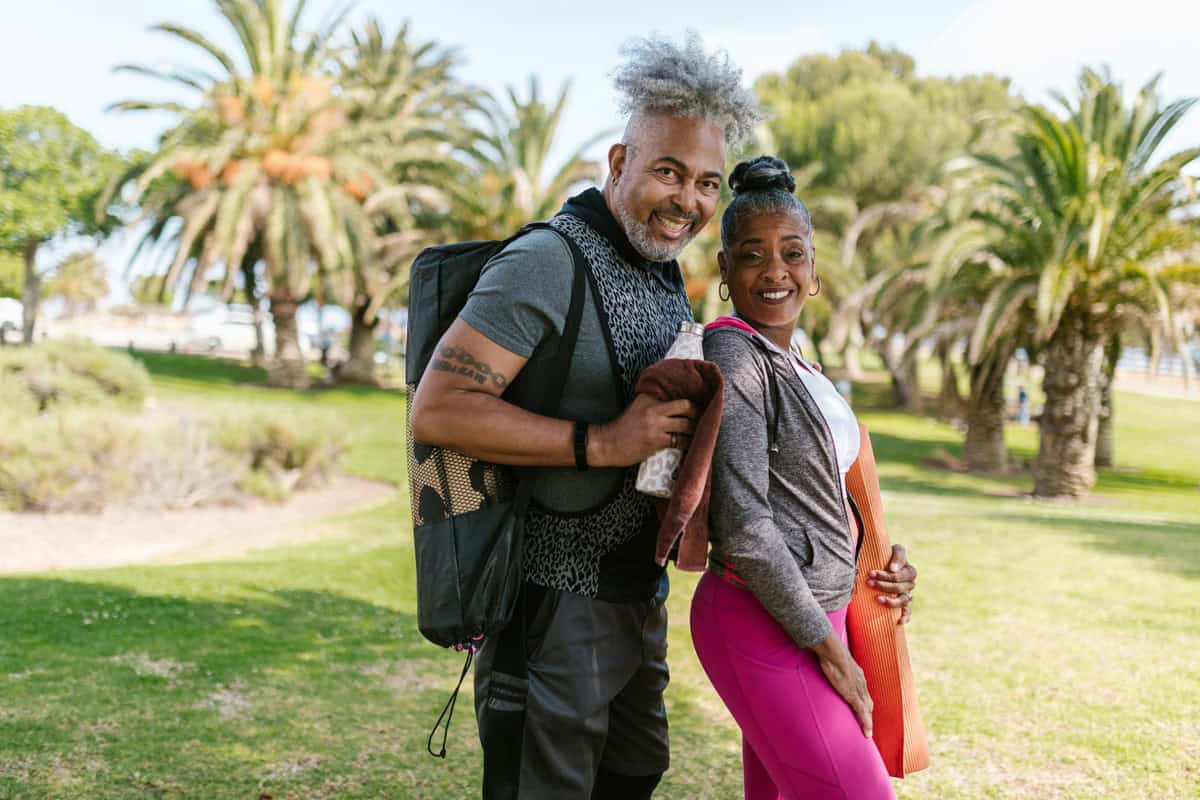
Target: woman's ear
column 723, row 263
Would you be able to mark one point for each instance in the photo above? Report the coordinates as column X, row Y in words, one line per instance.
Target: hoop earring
column 724, row 297
column 818, row 291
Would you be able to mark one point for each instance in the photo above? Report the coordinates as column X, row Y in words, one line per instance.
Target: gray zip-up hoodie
column 777, row 518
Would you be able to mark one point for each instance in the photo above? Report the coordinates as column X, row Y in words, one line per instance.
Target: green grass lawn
column 1053, row 644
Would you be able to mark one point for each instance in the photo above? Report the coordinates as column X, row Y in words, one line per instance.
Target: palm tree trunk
column 258, row 355
column 854, row 370
column 360, row 367
column 1066, row 459
column 984, row 449
column 820, row 356
column 906, row 390
column 950, row 400
column 1104, row 431
column 1155, row 355
column 850, row 353
column 287, row 368
column 31, row 293
column 916, row 400
column 1189, row 372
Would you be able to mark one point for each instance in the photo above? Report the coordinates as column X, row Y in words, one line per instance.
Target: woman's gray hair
column 662, row 77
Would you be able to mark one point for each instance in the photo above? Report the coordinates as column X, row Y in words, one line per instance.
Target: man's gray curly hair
column 662, row 77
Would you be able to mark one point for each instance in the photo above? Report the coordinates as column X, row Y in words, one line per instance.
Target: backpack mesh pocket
column 446, row 483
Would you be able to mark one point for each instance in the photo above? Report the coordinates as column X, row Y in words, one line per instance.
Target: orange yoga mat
column 877, row 642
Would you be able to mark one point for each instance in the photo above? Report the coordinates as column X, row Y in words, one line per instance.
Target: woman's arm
column 745, row 524
column 740, row 509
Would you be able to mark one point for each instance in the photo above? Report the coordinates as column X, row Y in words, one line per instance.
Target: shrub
column 119, row 376
column 73, row 371
column 280, row 454
column 75, row 459
column 48, row 384
column 65, row 461
column 65, row 447
column 178, row 466
column 15, row 398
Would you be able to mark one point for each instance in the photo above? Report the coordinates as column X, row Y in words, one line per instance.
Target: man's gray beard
column 639, row 235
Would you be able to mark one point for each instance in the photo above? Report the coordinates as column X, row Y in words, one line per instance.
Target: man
column 593, row 620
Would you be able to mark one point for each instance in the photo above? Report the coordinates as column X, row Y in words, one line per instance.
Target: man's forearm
column 486, row 427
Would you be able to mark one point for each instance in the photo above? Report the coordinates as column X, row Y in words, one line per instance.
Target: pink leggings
column 800, row 740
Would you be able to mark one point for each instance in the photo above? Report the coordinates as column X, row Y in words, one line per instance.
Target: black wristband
column 581, row 440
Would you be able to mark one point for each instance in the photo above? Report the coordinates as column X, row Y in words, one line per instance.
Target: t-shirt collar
column 591, row 207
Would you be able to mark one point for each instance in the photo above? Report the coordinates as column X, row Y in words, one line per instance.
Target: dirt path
column 39, row 542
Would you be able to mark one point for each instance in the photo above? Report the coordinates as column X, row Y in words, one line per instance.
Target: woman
column 768, row 618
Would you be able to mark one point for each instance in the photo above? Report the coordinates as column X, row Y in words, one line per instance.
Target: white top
column 843, row 425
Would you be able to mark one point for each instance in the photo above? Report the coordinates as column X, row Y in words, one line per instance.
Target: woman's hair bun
column 762, row 174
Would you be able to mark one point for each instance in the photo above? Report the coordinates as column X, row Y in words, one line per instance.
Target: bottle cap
column 694, row 328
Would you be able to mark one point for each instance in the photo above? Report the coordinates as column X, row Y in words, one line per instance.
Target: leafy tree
column 873, row 139
column 877, row 130
column 11, row 275
column 52, row 176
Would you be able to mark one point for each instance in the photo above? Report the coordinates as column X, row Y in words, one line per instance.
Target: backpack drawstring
column 448, row 711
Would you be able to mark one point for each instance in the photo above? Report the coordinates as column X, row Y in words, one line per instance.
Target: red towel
column 685, row 515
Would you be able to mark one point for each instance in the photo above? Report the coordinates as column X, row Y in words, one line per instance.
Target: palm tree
column 507, row 180
column 408, row 107
column 971, row 288
column 876, row 266
column 1079, row 228
column 80, row 279
column 264, row 157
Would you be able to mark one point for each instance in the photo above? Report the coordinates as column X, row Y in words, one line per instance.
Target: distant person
column 769, row 617
column 1022, row 406
column 591, row 687
column 325, row 344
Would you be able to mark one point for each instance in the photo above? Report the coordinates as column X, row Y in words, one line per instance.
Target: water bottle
column 656, row 476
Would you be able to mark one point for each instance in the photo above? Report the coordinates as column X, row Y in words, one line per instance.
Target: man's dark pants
column 569, row 700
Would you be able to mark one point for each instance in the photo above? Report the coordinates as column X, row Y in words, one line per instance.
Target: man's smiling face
column 666, row 181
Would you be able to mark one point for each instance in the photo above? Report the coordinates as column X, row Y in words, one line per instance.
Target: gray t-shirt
column 522, row 298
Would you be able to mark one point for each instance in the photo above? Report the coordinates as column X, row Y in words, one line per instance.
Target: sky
column 61, row 53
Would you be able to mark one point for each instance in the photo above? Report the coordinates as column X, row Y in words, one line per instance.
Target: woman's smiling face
column 769, row 267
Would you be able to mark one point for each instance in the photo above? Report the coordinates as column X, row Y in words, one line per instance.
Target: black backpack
column 468, row 514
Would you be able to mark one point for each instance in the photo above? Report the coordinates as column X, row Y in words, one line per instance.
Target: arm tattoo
column 459, row 362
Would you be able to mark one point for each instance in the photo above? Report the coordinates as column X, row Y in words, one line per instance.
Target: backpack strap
column 510, row 649
column 565, row 349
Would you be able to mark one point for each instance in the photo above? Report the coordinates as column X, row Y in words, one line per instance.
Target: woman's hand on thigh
column 847, row 679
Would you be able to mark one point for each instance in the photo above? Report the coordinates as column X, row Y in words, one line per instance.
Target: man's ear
column 616, row 161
